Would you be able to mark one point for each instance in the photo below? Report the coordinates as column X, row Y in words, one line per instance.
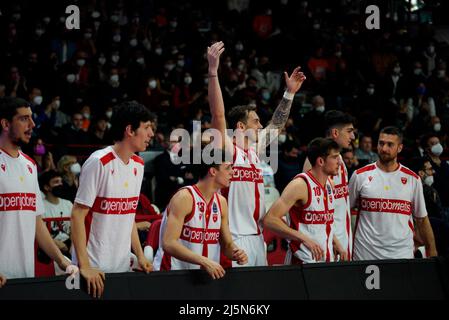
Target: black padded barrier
column 398, row 279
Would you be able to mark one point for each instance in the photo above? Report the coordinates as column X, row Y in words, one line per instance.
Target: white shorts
column 254, row 247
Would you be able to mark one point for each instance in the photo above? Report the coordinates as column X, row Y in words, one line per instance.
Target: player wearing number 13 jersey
column 195, row 225
column 310, row 202
column 390, row 199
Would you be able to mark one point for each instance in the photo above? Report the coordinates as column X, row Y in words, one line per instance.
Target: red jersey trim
column 409, row 172
column 309, row 191
column 27, row 157
column 138, row 159
column 107, row 158
column 367, row 168
column 192, row 213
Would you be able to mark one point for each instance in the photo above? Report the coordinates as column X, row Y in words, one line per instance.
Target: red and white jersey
column 20, row 204
column 386, row 202
column 111, row 189
column 200, row 233
column 342, row 215
column 315, row 219
column 246, row 194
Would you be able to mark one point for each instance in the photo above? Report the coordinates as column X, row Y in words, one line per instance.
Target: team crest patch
column 214, row 208
column 370, row 178
column 318, row 199
column 215, row 217
column 29, row 168
column 404, row 180
column 135, row 171
column 3, row 167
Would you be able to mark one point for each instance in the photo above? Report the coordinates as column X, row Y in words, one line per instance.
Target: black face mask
column 58, row 191
column 291, row 159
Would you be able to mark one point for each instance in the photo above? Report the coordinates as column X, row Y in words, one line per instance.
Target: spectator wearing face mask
column 38, row 153
column 394, row 84
column 184, row 95
column 312, row 125
column 368, row 109
column 433, row 150
column 152, row 96
column 51, row 185
column 86, row 112
column 433, row 204
column 70, row 169
column 289, row 164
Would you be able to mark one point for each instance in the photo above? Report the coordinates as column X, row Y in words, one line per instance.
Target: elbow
column 167, row 246
column 266, row 222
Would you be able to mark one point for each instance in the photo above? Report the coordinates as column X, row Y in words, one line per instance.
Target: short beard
column 18, row 142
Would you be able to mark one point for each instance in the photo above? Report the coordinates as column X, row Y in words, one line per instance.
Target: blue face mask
column 266, row 95
column 421, row 91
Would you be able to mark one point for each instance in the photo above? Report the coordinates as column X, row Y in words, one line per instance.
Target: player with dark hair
column 309, row 202
column 195, row 224
column 103, row 226
column 21, row 205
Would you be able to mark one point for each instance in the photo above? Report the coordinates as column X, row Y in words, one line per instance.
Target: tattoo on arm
column 280, row 115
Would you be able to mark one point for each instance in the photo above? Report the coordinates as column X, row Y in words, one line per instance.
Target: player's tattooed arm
column 280, row 115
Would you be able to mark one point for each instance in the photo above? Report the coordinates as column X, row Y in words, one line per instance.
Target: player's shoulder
column 103, row 156
column 27, row 158
column 366, row 169
column 138, row 159
column 222, row 199
column 409, row 172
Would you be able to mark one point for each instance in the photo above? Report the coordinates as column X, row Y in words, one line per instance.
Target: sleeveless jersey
column 342, row 215
column 315, row 219
column 200, row 233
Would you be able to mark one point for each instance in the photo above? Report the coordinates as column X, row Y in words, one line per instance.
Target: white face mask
column 370, row 91
column 158, row 51
column 441, row 73
column 181, row 63
column 320, row 109
column 282, row 138
column 437, row 149
column 80, row 62
column 114, row 78
column 133, row 42
column 188, row 80
column 37, row 100
column 109, row 114
column 117, row 38
column 115, row 58
column 437, row 127
column 397, row 70
column 75, row 168
column 417, row 71
column 140, row 60
column 71, row 78
column 428, row 180
column 86, row 115
column 57, row 104
column 102, row 60
column 87, row 35
column 152, row 84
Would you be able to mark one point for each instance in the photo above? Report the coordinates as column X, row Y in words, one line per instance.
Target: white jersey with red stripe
column 315, row 219
column 386, row 202
column 111, row 189
column 20, row 204
column 246, row 194
column 200, row 233
column 342, row 215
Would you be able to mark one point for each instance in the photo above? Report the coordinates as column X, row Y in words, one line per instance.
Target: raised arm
column 179, row 208
column 215, row 96
column 282, row 112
